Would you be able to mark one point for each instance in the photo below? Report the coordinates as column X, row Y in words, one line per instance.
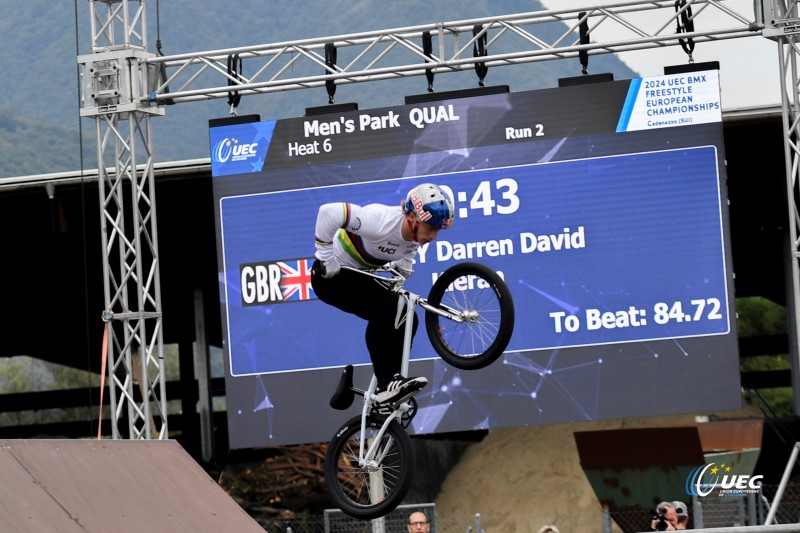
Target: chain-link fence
column 788, row 510
column 715, row 511
column 395, row 522
column 631, row 520
column 725, row 511
column 711, row 511
column 303, row 524
column 334, row 521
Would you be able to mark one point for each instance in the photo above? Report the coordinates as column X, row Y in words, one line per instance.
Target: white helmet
column 430, row 204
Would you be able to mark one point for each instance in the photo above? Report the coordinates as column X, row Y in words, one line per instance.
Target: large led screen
column 603, row 206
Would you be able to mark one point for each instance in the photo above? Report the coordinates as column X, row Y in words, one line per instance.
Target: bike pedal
column 379, row 418
column 397, row 403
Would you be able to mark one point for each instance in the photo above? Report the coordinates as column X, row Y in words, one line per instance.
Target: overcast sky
column 749, row 67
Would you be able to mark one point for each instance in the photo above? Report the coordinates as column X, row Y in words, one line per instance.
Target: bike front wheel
column 376, row 488
column 480, row 297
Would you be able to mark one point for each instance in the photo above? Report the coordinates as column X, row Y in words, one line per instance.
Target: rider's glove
column 404, row 266
column 330, row 268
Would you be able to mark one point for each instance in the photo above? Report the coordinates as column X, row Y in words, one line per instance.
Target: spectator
column 666, row 518
column 683, row 515
column 549, row 529
column 418, row 523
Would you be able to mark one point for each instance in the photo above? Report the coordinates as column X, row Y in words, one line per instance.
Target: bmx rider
column 366, row 238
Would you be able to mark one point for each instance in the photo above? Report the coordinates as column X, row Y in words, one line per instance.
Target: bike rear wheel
column 372, row 490
column 481, row 297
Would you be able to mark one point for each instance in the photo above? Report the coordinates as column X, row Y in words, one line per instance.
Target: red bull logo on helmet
column 416, row 201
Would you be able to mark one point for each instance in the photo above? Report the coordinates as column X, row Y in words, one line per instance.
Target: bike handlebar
column 395, row 284
column 376, row 272
column 395, row 278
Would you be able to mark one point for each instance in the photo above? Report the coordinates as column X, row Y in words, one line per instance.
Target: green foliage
column 26, row 374
column 777, row 401
column 758, row 316
column 762, row 363
column 28, row 147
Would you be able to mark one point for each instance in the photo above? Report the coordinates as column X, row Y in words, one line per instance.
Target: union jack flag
column 296, row 280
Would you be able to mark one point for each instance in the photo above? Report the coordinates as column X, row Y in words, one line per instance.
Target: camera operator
column 665, row 518
column 683, row 515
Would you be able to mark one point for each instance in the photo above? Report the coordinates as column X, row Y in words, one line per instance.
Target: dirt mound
column 519, row 479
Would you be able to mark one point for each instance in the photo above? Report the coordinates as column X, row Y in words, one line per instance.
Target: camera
column 660, row 519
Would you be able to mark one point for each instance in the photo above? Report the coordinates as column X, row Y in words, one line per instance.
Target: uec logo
column 228, row 147
column 702, row 481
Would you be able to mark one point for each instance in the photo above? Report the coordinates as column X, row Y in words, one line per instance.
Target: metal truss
column 124, row 86
column 783, row 24
column 398, row 53
column 111, row 91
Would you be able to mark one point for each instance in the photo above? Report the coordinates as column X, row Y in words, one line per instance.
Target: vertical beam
column 113, row 82
column 202, row 373
column 131, row 278
column 782, row 15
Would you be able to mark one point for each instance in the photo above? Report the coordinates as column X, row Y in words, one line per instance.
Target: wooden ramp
column 122, row 486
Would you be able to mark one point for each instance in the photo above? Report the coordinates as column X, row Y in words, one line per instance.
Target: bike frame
column 406, row 306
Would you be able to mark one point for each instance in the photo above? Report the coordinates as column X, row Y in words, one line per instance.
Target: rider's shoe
column 399, row 388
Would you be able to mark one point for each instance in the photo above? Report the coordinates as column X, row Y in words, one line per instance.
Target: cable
column 158, row 28
column 583, row 29
column 781, row 430
column 162, row 66
column 685, row 21
column 479, row 50
column 83, row 222
column 234, row 76
column 427, row 49
column 330, row 64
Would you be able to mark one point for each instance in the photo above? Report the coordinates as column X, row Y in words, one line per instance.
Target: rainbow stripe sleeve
column 331, row 217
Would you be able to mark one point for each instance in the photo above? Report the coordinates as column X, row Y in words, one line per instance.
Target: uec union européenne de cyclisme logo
column 703, row 480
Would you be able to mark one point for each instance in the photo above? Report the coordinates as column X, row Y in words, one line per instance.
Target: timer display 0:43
column 483, row 199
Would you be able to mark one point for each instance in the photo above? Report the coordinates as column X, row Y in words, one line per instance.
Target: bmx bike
column 469, row 318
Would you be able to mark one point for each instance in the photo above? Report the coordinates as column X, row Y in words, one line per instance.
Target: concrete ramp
column 122, row 486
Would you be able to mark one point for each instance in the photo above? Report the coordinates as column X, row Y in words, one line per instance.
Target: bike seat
column 344, row 395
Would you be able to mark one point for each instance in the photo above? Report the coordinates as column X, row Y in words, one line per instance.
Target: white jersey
column 362, row 237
